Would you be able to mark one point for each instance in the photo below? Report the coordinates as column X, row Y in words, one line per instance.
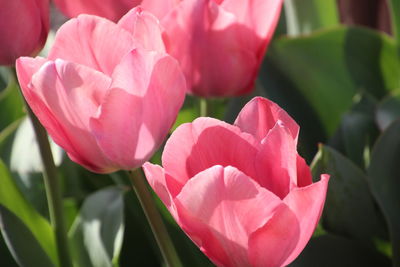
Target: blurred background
column 334, row 66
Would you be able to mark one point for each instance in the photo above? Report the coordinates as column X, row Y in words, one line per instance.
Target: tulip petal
column 74, row 92
column 304, row 177
column 43, row 6
column 159, row 8
column 92, row 41
column 147, row 92
column 26, row 67
column 199, row 29
column 156, row 177
column 307, row 203
column 145, row 29
column 176, row 150
column 219, row 208
column 64, row 95
column 17, row 39
column 160, row 182
column 207, row 142
column 109, row 9
column 259, row 15
column 276, row 161
column 271, row 244
column 118, row 128
column 260, row 115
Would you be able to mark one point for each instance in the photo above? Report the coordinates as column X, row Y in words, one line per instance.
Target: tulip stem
column 154, row 218
column 53, row 192
column 53, row 189
column 204, row 107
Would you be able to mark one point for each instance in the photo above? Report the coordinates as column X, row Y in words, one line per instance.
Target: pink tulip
column 112, row 9
column 220, row 43
column 24, row 25
column 108, row 93
column 241, row 192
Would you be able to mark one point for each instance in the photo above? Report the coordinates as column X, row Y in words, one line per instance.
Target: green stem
column 204, row 107
column 53, row 190
column 153, row 216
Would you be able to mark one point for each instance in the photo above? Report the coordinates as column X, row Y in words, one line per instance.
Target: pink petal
column 156, row 177
column 147, row 92
column 307, row 203
column 271, row 244
column 92, row 41
column 304, row 177
column 74, row 92
column 26, row 67
column 206, row 41
column 206, row 142
column 118, row 126
column 159, row 8
column 259, row 15
column 159, row 181
column 43, row 6
column 176, row 151
column 145, row 29
column 110, row 9
column 23, row 29
column 260, row 115
column 219, row 208
column 276, row 162
column 63, row 96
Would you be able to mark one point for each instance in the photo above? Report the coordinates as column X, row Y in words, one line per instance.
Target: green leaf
column 26, row 165
column 25, row 156
column 5, row 254
column 70, row 211
column 349, row 209
column 143, row 243
column 4, row 77
column 8, row 131
column 146, row 252
column 96, row 236
column 11, row 104
column 12, row 199
column 388, row 110
column 333, row 251
column 323, row 71
column 394, row 7
column 384, row 174
column 305, row 16
column 24, row 247
column 357, row 131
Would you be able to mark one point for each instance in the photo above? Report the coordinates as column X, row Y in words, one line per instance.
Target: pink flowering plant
column 253, row 133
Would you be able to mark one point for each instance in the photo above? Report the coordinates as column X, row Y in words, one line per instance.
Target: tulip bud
column 220, row 44
column 241, row 192
column 24, row 25
column 106, row 95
